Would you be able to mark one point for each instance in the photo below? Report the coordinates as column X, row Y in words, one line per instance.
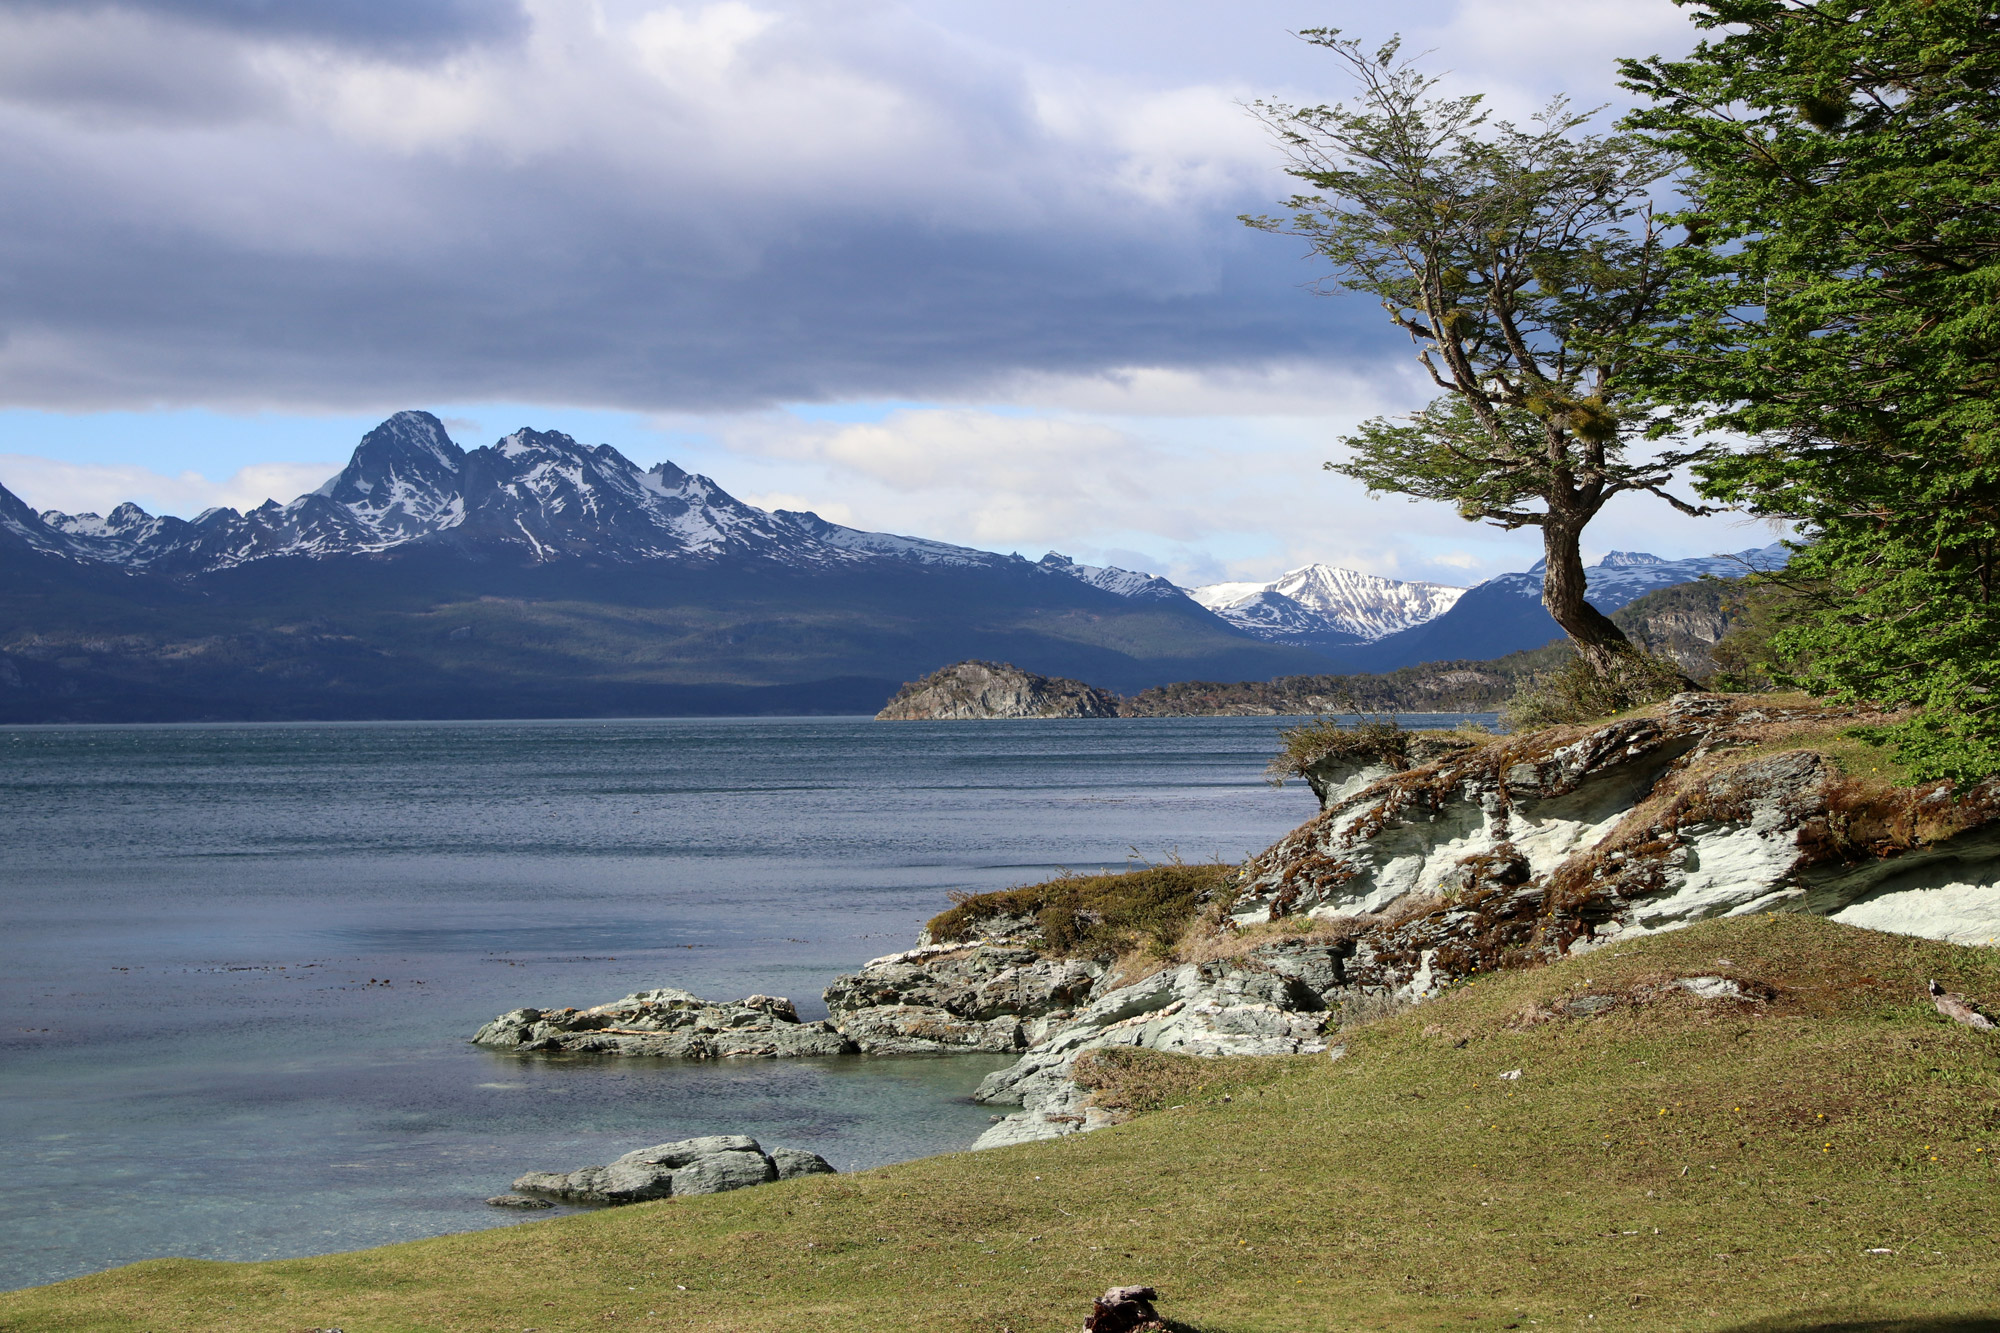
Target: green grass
column 1666, row 1165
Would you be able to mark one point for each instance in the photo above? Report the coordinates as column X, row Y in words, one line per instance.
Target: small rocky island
column 1436, row 857
column 974, row 690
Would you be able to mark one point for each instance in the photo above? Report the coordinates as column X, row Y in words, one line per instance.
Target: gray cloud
column 406, row 27
column 643, row 204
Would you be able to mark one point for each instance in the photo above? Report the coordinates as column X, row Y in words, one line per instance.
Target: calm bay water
column 239, row 963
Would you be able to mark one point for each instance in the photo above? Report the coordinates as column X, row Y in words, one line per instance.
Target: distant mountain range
column 534, row 497
column 1321, row 606
column 1505, row 614
column 539, row 576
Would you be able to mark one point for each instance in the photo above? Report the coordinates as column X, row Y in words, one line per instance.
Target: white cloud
column 1021, row 215
column 77, row 488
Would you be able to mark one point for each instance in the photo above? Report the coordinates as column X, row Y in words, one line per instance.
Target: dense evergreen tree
column 1840, row 309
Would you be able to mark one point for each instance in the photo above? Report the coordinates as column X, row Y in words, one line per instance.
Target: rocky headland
column 1435, row 857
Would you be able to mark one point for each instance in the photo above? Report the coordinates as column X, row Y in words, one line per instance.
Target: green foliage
column 1526, row 266
column 1758, row 607
column 1842, row 311
column 1096, row 915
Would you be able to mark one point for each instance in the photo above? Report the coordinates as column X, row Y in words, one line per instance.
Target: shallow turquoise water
column 239, row 963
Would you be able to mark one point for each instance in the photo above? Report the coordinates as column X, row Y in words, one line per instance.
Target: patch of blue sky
column 215, row 444
column 175, row 440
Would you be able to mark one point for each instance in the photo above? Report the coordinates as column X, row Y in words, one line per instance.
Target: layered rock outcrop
column 974, row 690
column 1518, row 849
column 1275, row 1004
column 1465, row 855
column 707, row 1165
column 667, row 1022
column 1573, row 838
column 994, row 995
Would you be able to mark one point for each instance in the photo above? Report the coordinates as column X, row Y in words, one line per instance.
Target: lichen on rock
column 958, row 997
column 1522, row 849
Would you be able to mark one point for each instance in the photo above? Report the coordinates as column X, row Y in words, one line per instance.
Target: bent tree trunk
column 1600, row 643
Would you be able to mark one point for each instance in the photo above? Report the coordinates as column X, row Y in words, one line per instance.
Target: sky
column 967, row 271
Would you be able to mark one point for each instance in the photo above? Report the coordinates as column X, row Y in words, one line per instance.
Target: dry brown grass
column 1225, row 944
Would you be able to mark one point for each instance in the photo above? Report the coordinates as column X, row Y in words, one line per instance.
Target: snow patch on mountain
column 1325, row 603
column 1112, row 579
column 1626, row 576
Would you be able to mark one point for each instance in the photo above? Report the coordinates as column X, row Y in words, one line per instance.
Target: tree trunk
column 1598, row 642
column 1601, row 644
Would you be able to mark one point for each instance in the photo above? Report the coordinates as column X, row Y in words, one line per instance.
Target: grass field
column 1823, row 1158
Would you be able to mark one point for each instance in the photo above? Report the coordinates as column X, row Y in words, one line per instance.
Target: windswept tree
column 1526, row 265
column 1841, row 310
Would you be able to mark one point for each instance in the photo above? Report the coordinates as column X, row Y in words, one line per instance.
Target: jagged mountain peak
column 1326, row 604
column 538, row 495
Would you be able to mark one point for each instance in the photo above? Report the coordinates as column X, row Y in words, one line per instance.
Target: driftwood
column 1959, row 1009
column 1124, row 1310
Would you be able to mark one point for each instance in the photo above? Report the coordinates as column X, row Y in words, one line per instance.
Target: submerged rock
column 667, row 1022
column 710, row 1165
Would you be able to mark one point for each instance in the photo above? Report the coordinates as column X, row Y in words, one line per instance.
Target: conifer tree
column 1840, row 308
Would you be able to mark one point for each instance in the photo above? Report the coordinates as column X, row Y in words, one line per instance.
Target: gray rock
column 912, row 1029
column 517, row 1201
column 708, row 1165
column 724, row 1171
column 683, row 1151
column 671, row 1023
column 1557, row 843
column 1205, row 1009
column 794, row 1162
column 984, row 996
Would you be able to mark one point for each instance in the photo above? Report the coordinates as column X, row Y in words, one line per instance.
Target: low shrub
column 1575, row 693
column 1130, row 1078
column 1367, row 740
column 1096, row 915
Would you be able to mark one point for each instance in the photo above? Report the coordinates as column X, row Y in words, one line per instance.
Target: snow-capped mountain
column 539, row 496
column 1626, row 576
column 1326, row 605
